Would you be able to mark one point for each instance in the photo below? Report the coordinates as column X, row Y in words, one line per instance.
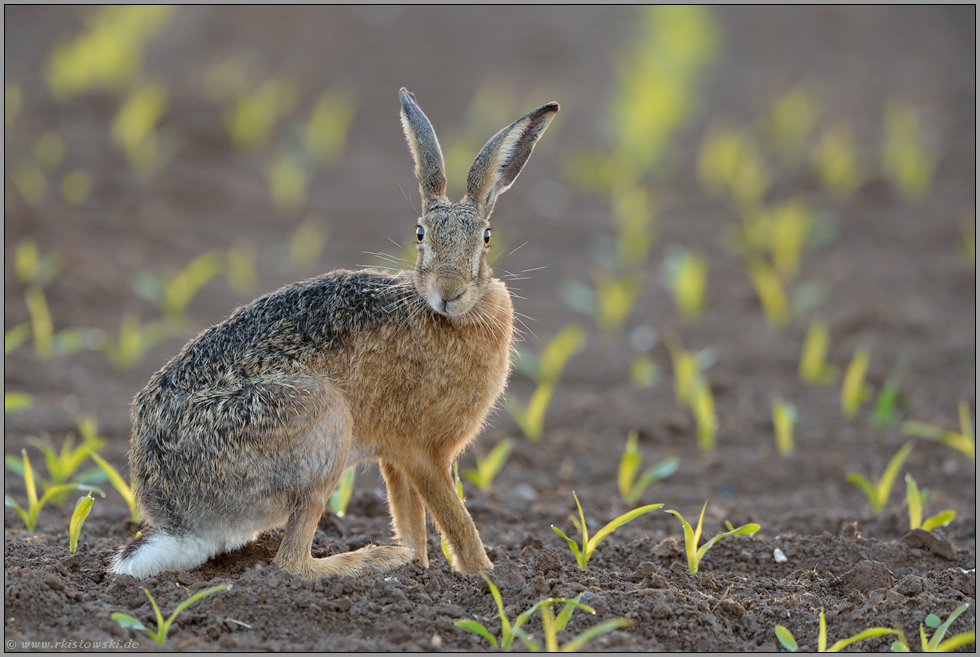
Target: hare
column 250, row 426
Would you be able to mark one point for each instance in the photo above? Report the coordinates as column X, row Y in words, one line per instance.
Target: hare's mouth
column 453, row 306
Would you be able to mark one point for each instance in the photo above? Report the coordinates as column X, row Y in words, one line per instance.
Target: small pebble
column 778, row 555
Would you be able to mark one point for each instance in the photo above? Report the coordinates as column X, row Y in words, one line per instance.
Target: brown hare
column 250, row 426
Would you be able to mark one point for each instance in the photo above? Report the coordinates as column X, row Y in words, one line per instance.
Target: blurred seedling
column 329, row 123
column 730, row 162
column 914, row 498
column 16, row 337
column 458, row 483
column 703, row 407
column 47, row 343
column 905, row 158
column 630, row 487
column 134, row 340
column 134, row 129
column 551, row 626
column 644, row 373
column 610, row 303
column 693, row 536
column 62, row 464
column 253, row 108
column 172, row 296
column 13, row 98
column 885, row 413
column 340, row 497
column 813, row 361
column 240, row 266
column 584, row 552
column 124, row 489
column 771, row 292
column 783, row 420
column 82, row 508
column 16, row 401
column 789, row 642
column 965, row 441
column 685, row 274
column 633, row 211
column 163, row 626
column 836, row 161
column 288, row 181
column 879, row 491
column 34, row 505
column 790, row 123
column 306, row 245
column 32, row 268
column 781, row 231
column 935, row 643
column 546, row 370
column 854, row 390
column 693, row 391
column 487, row 468
column 968, row 242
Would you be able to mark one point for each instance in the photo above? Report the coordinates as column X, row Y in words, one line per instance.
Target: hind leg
column 407, row 512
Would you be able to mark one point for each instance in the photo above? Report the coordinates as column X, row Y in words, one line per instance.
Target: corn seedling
column 688, row 368
column 965, row 441
column 935, row 643
column 82, row 508
column 836, row 161
column 786, row 637
column 772, row 294
column 172, row 296
column 685, row 275
column 307, row 244
column 790, row 123
column 783, row 420
column 615, row 297
column 16, row 401
column 120, row 485
column 551, row 626
column 584, row 553
column 968, row 243
column 885, row 414
column 730, row 161
column 631, row 488
column 914, row 498
column 41, row 323
column 163, row 626
column 633, row 212
column 547, row 373
column 16, row 337
column 854, row 390
column 327, row 128
column 692, row 536
column 134, row 340
column 879, row 491
column 905, row 158
column 33, row 269
column 34, row 505
column 703, row 407
column 644, row 373
column 134, row 129
column 340, row 498
column 240, row 266
column 459, row 493
column 487, row 468
column 75, row 187
column 813, row 361
column 13, row 98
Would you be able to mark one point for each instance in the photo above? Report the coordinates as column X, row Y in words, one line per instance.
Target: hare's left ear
column 501, row 160
column 422, row 141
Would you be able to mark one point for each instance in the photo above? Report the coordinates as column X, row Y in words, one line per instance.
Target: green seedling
column 61, row 465
column 33, row 269
column 120, row 485
column 508, row 631
column 644, row 373
column 786, row 637
column 253, row 114
column 173, row 296
column 16, row 401
column 772, row 294
column 135, row 340
column 631, row 488
column 854, row 390
column 688, row 368
column 459, row 493
column 41, row 323
column 730, row 161
column 790, row 124
column 783, row 420
column 813, row 361
column 289, row 182
column 487, row 468
column 633, row 212
column 885, row 414
column 905, row 158
column 615, row 296
column 16, row 337
column 968, row 242
column 82, row 508
column 965, row 441
column 584, row 553
column 163, row 626
column 879, row 491
column 836, row 161
column 685, row 274
column 914, row 498
column 936, row 643
column 240, row 266
column 134, row 129
column 547, row 373
column 327, row 128
column 551, row 626
column 34, row 505
column 703, row 407
column 340, row 498
column 692, row 536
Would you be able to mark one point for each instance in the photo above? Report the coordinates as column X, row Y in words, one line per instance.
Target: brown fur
column 252, row 423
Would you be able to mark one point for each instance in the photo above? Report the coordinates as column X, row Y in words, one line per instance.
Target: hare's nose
column 449, row 289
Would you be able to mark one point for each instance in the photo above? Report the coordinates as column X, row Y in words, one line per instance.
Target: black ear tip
column 553, row 106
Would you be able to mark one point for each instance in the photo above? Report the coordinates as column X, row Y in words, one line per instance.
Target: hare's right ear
column 501, row 160
column 429, row 167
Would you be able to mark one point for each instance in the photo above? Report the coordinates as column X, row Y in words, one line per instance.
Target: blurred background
column 718, row 174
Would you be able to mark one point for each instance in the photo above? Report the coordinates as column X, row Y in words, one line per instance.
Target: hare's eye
column 419, row 234
column 486, row 237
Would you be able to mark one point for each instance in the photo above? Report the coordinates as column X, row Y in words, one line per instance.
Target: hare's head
column 451, row 271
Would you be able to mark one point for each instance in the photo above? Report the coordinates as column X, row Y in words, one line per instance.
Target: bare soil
column 894, row 278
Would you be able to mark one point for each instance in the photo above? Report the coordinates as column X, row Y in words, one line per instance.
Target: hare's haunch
column 250, row 426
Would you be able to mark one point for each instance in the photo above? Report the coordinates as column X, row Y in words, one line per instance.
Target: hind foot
column 373, row 558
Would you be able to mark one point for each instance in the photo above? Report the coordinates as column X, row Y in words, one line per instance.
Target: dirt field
column 895, row 282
